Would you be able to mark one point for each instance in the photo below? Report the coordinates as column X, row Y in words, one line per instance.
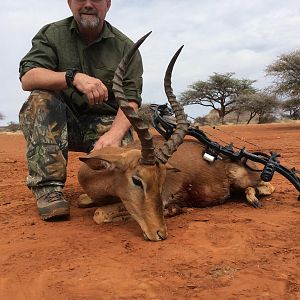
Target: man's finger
column 91, row 98
column 101, row 93
column 97, row 96
column 105, row 92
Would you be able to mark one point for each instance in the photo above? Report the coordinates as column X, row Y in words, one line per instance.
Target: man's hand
column 93, row 88
column 119, row 127
column 109, row 139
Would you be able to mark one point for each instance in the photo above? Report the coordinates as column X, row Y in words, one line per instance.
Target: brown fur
column 186, row 180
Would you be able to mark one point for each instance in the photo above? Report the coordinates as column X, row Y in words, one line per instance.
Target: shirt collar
column 106, row 31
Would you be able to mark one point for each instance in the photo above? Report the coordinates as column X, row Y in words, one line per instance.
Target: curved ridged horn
column 142, row 130
column 170, row 146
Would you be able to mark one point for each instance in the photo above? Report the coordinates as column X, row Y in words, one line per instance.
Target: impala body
column 157, row 178
column 150, row 192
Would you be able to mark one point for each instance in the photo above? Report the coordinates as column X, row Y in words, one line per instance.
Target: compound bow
column 164, row 124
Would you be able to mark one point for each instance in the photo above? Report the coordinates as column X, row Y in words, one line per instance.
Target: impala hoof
column 85, row 201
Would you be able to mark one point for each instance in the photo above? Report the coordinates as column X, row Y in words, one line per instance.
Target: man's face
column 89, row 14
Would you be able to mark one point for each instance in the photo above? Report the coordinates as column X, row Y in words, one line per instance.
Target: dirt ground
column 232, row 251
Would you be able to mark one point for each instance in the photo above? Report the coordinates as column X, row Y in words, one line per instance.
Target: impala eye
column 137, row 182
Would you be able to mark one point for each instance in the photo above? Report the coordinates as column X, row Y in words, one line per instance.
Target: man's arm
column 120, row 126
column 41, row 78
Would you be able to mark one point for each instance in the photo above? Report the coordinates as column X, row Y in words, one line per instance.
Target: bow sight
column 163, row 122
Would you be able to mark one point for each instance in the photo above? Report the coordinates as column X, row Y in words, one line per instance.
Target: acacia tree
column 260, row 105
column 291, row 108
column 286, row 73
column 219, row 92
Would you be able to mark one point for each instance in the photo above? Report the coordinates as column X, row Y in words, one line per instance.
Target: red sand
column 232, row 251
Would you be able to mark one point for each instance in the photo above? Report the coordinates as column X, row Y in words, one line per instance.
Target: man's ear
column 108, row 3
column 69, row 3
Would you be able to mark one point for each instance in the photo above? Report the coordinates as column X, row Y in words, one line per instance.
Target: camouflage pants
column 51, row 130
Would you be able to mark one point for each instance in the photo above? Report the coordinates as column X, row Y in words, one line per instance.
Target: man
column 69, row 71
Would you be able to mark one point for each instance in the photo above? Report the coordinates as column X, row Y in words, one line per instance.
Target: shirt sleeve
column 42, row 54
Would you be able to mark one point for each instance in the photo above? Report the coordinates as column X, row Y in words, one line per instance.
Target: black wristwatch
column 70, row 74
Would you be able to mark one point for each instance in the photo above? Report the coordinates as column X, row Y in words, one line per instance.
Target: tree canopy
column 259, row 105
column 286, row 73
column 291, row 108
column 219, row 92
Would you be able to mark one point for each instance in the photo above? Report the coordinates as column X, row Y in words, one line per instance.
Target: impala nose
column 162, row 235
column 158, row 236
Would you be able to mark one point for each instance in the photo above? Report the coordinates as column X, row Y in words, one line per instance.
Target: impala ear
column 110, row 159
column 98, row 164
column 170, row 168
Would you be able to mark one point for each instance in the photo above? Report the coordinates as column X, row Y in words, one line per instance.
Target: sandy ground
column 231, row 251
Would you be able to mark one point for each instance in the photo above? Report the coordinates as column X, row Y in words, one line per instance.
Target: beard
column 89, row 18
column 89, row 23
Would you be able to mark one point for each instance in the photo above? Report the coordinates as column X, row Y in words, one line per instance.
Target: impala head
column 138, row 186
column 137, row 176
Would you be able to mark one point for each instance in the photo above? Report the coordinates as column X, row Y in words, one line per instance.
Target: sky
column 220, row 36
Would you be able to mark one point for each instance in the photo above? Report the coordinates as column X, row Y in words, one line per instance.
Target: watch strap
column 70, row 74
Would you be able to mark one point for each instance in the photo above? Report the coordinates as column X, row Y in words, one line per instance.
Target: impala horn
column 176, row 139
column 138, row 124
column 149, row 155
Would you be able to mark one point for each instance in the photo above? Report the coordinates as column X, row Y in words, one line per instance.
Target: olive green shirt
column 57, row 46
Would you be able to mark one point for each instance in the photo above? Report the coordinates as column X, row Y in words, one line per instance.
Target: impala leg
column 84, row 201
column 265, row 188
column 250, row 193
column 111, row 213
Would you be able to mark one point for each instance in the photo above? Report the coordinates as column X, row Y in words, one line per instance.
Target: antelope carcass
column 161, row 177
